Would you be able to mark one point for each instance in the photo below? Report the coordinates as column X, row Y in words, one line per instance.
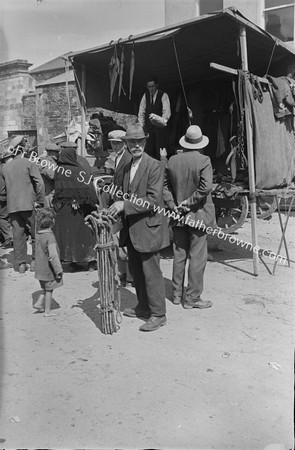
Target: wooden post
column 83, row 112
column 250, row 153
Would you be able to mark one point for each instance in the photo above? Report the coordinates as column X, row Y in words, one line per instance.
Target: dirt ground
column 220, row 378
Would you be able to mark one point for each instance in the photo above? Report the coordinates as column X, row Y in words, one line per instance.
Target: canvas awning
column 209, row 38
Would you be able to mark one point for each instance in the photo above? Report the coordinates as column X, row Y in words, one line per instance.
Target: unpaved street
column 220, row 378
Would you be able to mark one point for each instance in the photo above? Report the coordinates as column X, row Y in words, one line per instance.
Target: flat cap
column 52, row 147
column 116, row 135
column 95, row 123
column 68, row 144
column 7, row 153
column 17, row 140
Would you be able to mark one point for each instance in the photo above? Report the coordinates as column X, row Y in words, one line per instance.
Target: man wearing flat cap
column 47, row 170
column 24, row 189
column 145, row 231
column 191, row 200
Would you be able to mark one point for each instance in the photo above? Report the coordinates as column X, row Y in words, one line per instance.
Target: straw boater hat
column 193, row 138
column 135, row 131
column 116, row 135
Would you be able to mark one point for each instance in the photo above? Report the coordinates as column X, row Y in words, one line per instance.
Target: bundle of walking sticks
column 102, row 223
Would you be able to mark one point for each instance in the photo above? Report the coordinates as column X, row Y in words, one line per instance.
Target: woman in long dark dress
column 74, row 198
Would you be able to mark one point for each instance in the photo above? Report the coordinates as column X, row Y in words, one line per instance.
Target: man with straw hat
column 144, row 232
column 187, row 189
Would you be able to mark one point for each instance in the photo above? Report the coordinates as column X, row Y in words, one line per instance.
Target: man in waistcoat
column 153, row 115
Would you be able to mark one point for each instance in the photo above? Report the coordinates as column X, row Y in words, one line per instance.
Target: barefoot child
column 48, row 267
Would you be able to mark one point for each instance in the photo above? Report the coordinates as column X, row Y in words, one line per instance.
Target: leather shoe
column 153, row 324
column 32, row 266
column 4, row 265
column 132, row 312
column 201, row 304
column 176, row 300
column 22, row 268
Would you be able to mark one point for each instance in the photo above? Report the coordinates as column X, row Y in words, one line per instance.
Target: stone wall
column 15, row 82
column 52, row 111
column 46, row 75
column 29, row 111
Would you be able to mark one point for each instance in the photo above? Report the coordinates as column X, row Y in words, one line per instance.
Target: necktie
column 152, row 100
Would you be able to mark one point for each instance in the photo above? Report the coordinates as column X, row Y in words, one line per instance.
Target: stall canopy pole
column 83, row 111
column 250, row 153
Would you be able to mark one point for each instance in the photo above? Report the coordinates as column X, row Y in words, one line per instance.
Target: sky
column 41, row 30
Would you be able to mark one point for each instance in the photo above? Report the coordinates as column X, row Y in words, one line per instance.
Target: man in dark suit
column 123, row 157
column 188, row 183
column 24, row 189
column 144, row 231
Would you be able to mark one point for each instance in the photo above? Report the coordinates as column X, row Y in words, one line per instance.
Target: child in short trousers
column 48, row 266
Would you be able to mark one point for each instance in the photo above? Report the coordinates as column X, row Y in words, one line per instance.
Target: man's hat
column 135, row 131
column 94, row 123
column 193, row 138
column 50, row 147
column 7, row 153
column 68, row 144
column 116, row 135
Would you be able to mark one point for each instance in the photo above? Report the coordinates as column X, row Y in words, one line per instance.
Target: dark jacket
column 189, row 177
column 119, row 170
column 47, row 256
column 23, row 185
column 147, row 228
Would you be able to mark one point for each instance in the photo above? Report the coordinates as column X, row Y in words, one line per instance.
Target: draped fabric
column 74, row 198
column 72, row 181
column 273, row 142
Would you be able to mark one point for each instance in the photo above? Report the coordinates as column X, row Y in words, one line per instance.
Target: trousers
column 158, row 138
column 19, row 220
column 189, row 244
column 148, row 281
column 5, row 228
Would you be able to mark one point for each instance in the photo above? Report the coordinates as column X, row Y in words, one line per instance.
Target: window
column 208, row 6
column 279, row 18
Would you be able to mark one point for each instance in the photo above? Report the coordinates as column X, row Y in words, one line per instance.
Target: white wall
column 180, row 10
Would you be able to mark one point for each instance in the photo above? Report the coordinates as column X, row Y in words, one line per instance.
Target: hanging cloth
column 132, row 65
column 114, row 70
column 121, row 73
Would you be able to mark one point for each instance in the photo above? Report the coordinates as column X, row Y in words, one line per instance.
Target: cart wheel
column 265, row 206
column 230, row 219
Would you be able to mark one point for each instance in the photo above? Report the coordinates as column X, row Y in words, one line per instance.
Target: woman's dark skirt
column 75, row 239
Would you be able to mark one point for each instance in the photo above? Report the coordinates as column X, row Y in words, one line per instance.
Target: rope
column 181, row 80
column 68, row 93
column 271, row 56
column 107, row 267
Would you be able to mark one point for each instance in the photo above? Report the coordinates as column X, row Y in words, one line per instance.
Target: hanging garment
column 281, row 96
column 132, row 65
column 121, row 72
column 114, row 70
column 273, row 142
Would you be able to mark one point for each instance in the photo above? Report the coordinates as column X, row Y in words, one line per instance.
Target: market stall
column 214, row 66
